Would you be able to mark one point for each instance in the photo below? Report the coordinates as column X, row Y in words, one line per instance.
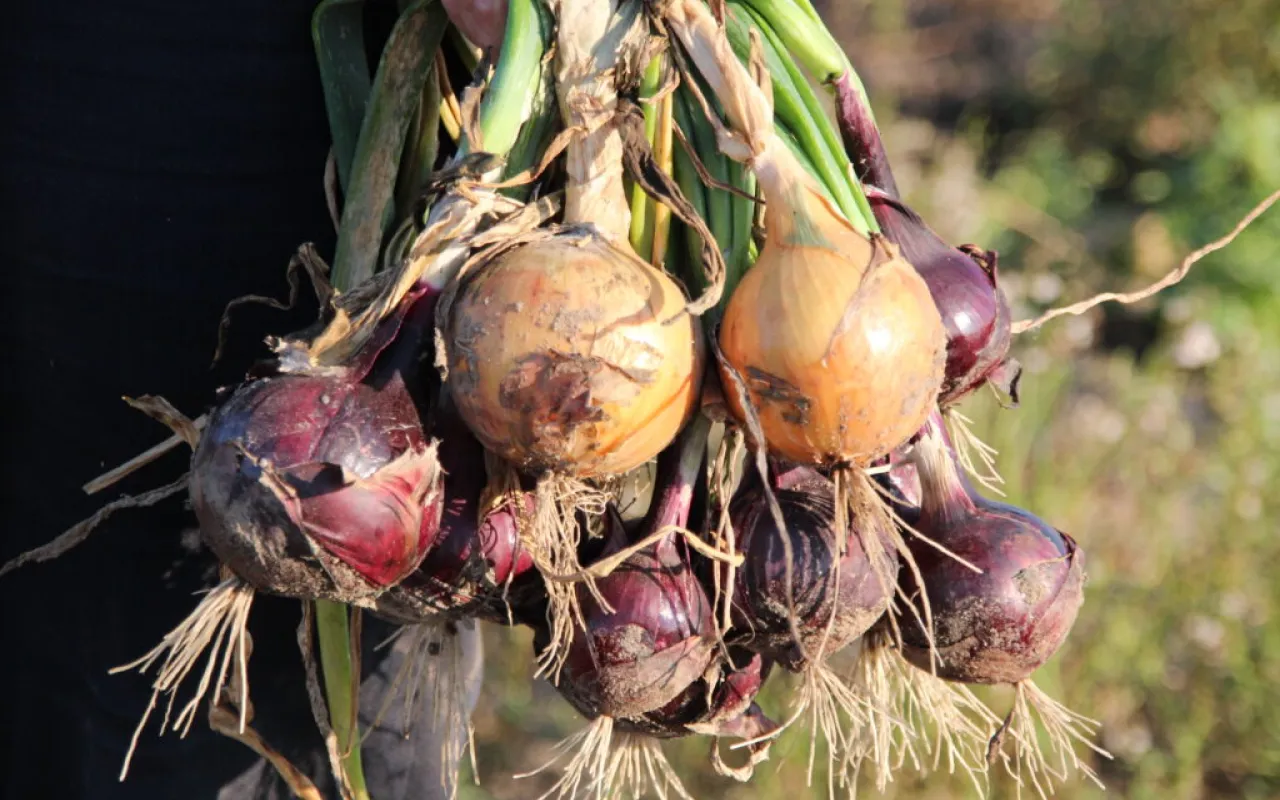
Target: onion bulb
column 323, row 486
column 571, row 355
column 477, row 565
column 836, row 337
column 1001, row 625
column 655, row 636
column 835, row 598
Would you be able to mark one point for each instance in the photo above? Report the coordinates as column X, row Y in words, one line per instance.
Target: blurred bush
column 1093, row 143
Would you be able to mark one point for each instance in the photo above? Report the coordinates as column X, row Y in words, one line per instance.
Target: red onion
column 962, row 280
column 477, row 566
column 832, row 607
column 1001, row 625
column 659, row 637
column 323, row 485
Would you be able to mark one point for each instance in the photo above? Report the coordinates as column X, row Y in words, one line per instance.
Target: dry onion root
column 435, row 670
column 917, row 720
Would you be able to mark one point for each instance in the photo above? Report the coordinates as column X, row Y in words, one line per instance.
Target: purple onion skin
column 1000, row 626
column 319, row 485
column 963, row 283
column 657, row 641
column 477, row 567
column 660, row 637
column 760, row 613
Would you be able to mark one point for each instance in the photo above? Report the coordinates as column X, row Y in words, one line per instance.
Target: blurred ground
column 1093, row 143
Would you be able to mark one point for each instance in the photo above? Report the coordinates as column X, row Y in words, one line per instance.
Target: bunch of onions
column 569, row 360
column 569, row 356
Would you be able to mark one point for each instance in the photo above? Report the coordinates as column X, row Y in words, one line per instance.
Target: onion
column 562, row 360
column 323, row 486
column 568, row 356
column 647, row 629
column 836, row 597
column 836, row 337
column 1001, row 625
column 477, row 566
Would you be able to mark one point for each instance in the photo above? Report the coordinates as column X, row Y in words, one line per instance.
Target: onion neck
column 943, row 495
column 862, row 142
column 592, row 33
column 796, row 213
column 679, row 468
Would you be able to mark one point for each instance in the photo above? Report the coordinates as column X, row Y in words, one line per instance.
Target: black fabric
column 157, row 158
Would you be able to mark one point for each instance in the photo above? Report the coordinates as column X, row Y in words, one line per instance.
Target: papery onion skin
column 560, row 359
column 296, row 468
column 728, row 709
column 1003, row 624
column 857, row 595
column 842, row 365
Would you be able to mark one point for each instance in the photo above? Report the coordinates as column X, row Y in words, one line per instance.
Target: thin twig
column 139, row 461
column 80, row 531
column 1022, row 326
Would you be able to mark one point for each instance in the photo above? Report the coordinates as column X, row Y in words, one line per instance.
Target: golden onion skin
column 559, row 360
column 842, row 364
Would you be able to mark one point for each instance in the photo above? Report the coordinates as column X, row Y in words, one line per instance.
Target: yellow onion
column 839, row 343
column 571, row 355
column 835, row 335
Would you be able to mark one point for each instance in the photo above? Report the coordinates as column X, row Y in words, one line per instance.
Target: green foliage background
column 1093, row 143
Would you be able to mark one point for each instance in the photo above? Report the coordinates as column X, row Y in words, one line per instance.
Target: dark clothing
column 157, row 159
